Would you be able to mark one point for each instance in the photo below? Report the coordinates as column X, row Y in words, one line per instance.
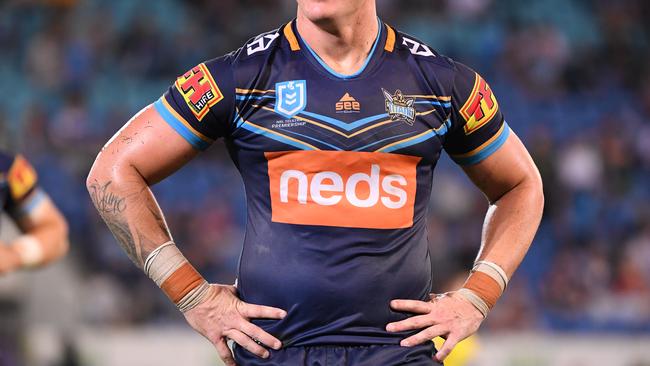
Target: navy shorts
column 332, row 355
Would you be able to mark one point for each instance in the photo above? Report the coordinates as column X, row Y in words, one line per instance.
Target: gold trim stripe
column 444, row 98
column 483, row 145
column 433, row 130
column 329, row 128
column 390, row 39
column 405, row 140
column 293, row 41
column 251, row 91
column 279, row 134
column 425, row 113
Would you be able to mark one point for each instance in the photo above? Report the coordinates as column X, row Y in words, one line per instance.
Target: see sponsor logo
column 480, row 107
column 342, row 188
column 347, row 104
column 199, row 90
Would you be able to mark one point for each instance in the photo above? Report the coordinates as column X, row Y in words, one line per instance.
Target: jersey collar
column 385, row 35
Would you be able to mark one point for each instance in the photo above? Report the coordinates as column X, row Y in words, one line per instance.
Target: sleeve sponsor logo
column 21, row 178
column 417, row 48
column 261, row 43
column 199, row 90
column 480, row 107
column 342, row 188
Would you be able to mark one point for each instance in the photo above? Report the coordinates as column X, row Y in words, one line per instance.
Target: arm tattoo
column 162, row 225
column 122, row 234
column 112, row 208
column 106, row 201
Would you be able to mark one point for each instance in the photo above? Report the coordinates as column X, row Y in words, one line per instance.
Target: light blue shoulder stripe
column 434, row 102
column 26, row 207
column 282, row 139
column 345, row 126
column 441, row 131
column 404, row 144
column 249, row 96
column 313, row 139
column 179, row 127
column 486, row 151
column 384, row 140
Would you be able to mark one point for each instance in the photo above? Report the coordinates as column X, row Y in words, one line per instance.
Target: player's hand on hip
column 223, row 315
column 447, row 315
column 9, row 259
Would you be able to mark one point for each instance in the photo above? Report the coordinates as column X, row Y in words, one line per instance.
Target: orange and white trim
column 178, row 279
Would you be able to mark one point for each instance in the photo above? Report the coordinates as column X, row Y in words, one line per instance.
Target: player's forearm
column 143, row 152
column 45, row 234
column 128, row 207
column 511, row 223
column 45, row 242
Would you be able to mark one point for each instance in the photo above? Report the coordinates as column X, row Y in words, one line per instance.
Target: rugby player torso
column 338, row 172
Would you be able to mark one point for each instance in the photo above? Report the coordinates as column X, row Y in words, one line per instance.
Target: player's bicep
column 504, row 169
column 150, row 145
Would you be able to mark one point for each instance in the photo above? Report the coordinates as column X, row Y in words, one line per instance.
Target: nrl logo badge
column 291, row 97
column 400, row 108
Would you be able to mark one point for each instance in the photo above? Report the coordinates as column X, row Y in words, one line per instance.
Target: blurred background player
column 36, row 235
column 44, row 230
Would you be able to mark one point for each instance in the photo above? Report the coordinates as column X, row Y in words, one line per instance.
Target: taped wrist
column 484, row 286
column 493, row 270
column 171, row 271
column 30, row 250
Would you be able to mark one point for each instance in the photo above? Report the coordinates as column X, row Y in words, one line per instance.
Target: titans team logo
column 399, row 107
column 291, row 97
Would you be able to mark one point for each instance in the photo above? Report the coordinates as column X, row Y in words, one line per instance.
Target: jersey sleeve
column 200, row 103
column 22, row 182
column 477, row 128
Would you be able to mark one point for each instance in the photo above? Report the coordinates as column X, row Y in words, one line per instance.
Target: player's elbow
column 98, row 171
column 105, row 169
column 535, row 187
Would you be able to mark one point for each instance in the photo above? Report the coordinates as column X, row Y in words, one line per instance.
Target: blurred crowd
column 571, row 76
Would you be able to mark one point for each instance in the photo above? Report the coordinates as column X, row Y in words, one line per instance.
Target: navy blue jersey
column 337, row 171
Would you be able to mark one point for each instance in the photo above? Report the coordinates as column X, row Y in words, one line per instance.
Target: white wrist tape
column 30, row 250
column 171, row 271
column 493, row 270
column 476, row 300
column 163, row 261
